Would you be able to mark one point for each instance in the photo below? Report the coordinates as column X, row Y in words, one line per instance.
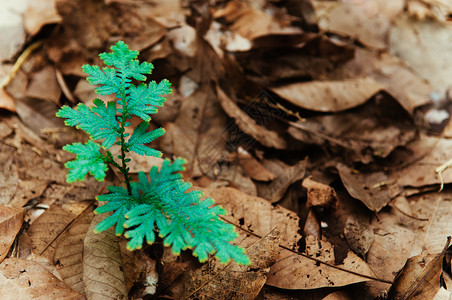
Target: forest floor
column 322, row 127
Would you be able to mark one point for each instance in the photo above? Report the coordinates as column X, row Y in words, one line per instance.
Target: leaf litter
column 319, row 126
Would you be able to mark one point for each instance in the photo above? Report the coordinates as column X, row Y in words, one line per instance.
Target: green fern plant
column 158, row 202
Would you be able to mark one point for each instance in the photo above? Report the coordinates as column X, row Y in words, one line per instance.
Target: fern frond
column 140, row 137
column 107, row 77
column 88, row 160
column 98, row 121
column 144, row 99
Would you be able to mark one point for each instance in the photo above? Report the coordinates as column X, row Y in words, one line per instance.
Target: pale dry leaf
column 6, row 101
column 26, row 279
column 68, row 257
column 423, row 46
column 367, row 21
column 329, row 96
column 13, row 34
column 248, row 125
column 215, row 280
column 103, row 275
column 38, row 14
column 11, row 220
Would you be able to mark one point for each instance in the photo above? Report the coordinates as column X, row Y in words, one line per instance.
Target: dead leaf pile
column 322, row 127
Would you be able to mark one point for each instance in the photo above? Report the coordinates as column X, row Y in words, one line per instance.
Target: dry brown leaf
column 27, row 190
column 307, row 273
column 319, row 194
column 248, row 125
column 11, row 220
column 45, row 230
column 103, row 274
column 433, row 211
column 398, row 80
column 44, row 85
column 253, row 167
column 198, row 133
column 218, row 281
column 367, row 21
column 359, row 234
column 26, row 279
column 375, row 190
column 419, row 279
column 68, row 257
column 9, row 175
column 285, row 176
column 329, row 96
column 390, row 233
column 38, row 14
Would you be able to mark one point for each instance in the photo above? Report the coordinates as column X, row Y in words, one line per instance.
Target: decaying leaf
column 11, row 220
column 26, row 279
column 319, row 194
column 68, row 257
column 329, row 96
column 252, row 167
column 103, row 273
column 375, row 190
column 420, row 277
column 359, row 235
column 218, row 281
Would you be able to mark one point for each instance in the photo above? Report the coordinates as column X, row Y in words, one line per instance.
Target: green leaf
column 88, row 160
column 98, row 121
column 144, row 99
column 120, row 56
column 141, row 137
column 106, row 77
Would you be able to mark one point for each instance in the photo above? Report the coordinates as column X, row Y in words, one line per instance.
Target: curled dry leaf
column 218, row 281
column 359, row 235
column 11, row 220
column 26, row 279
column 248, row 125
column 38, row 14
column 329, row 96
column 419, row 279
column 375, row 190
column 103, row 274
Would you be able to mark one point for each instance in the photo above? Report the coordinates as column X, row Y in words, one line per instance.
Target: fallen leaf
column 359, row 235
column 13, row 36
column 329, row 96
column 11, row 220
column 367, row 21
column 27, row 190
column 38, row 14
column 375, row 190
column 68, row 257
column 9, row 175
column 419, row 279
column 44, row 231
column 103, row 274
column 423, row 46
column 44, row 85
column 285, row 176
column 231, row 281
column 248, row 125
column 252, row 167
column 26, row 279
column 6, row 101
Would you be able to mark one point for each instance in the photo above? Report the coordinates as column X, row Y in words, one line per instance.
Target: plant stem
column 124, row 169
